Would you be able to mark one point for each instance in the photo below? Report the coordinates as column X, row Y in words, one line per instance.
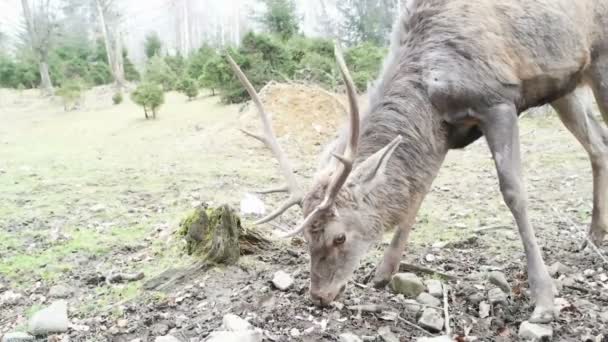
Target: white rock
column 98, row 208
column 499, row 279
column 10, row 298
column 60, row 292
column 604, row 317
column 235, row 323
column 348, row 337
column 294, row 332
column 431, row 320
column 17, row 337
column 167, row 338
column 435, row 288
column 603, row 277
column 535, row 332
column 588, row 273
column 412, row 306
column 236, row 336
column 427, row 299
column 430, row 258
column 53, row 319
column 435, row 339
column 407, row 284
column 282, row 280
column 484, row 310
column 252, row 205
column 387, row 335
column 496, row 296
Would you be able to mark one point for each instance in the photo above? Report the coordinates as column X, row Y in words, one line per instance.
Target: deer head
column 336, row 216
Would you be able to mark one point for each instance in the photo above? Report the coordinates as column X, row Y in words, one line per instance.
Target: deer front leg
column 499, row 125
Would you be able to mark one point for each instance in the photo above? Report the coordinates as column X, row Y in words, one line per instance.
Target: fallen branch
column 125, row 277
column 405, row 267
column 415, row 326
column 491, row 228
column 373, row 308
column 446, row 311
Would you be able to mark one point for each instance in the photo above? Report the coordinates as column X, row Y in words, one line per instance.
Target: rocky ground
column 88, row 249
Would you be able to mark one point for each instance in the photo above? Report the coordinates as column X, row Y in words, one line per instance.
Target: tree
column 159, row 72
column 152, row 45
column 280, row 18
column 113, row 51
column 366, row 21
column 150, row 96
column 188, row 87
column 41, row 27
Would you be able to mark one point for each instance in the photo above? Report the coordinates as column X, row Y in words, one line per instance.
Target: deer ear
column 370, row 173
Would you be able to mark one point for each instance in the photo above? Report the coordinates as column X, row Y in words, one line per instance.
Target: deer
column 456, row 71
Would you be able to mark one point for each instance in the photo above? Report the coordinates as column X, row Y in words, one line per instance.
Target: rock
column 499, row 279
column 252, row 205
column 430, row 258
column 536, row 332
column 484, row 310
column 159, row 329
column 435, row 339
column 412, row 306
column 53, row 319
column 476, row 298
column 387, row 335
column 585, row 305
column 435, row 288
column 589, row 273
column 603, row 277
column 427, row 299
column 558, row 269
column 282, row 280
column 496, row 296
column 431, row 320
column 167, row 338
column 10, row 298
column 122, row 323
column 98, row 208
column 232, row 322
column 407, row 284
column 236, row 336
column 604, row 317
column 348, row 337
column 17, row 337
column 60, row 292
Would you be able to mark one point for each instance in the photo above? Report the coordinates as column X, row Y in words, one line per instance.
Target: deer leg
column 578, row 118
column 499, row 125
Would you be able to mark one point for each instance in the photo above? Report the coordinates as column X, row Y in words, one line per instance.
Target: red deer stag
column 456, row 70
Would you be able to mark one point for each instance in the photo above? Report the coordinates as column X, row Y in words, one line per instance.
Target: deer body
column 457, row 70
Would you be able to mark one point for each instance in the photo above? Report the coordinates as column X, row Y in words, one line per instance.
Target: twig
column 125, row 277
column 403, row 266
column 490, row 228
column 446, row 311
column 413, row 325
column 374, row 308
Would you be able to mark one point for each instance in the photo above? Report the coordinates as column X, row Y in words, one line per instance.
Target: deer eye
column 338, row 240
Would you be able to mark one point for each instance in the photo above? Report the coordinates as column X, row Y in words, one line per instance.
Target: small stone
column 348, row 337
column 60, row 292
column 17, row 337
column 167, row 338
column 431, row 320
column 435, row 339
column 122, row 323
column 235, row 323
column 435, row 288
column 430, row 258
column 10, row 298
column 536, row 332
column 236, row 336
column 98, row 208
column 604, row 317
column 476, row 298
column 558, row 269
column 412, row 306
column 588, row 273
column 484, row 310
column 159, row 329
column 407, row 284
column 603, row 277
column 53, row 319
column 294, row 332
column 496, row 296
column 387, row 335
column 282, row 280
column 427, row 299
column 499, row 279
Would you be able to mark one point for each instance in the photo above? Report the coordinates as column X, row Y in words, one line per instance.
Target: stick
column 413, row 325
column 446, row 311
column 403, row 266
column 374, row 308
column 490, row 228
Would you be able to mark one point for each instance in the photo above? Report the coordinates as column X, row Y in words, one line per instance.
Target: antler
column 270, row 140
column 350, row 152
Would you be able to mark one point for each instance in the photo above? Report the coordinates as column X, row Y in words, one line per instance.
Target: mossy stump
column 216, row 235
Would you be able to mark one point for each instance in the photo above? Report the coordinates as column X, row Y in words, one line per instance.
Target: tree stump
column 216, row 235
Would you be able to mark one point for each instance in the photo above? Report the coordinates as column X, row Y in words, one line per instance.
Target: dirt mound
column 308, row 115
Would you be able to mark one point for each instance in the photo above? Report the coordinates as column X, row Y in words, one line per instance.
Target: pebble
column 431, row 320
column 435, row 288
column 407, row 284
column 499, row 279
column 167, row 338
column 604, row 317
column 430, row 258
column 236, row 336
column 17, row 337
column 476, row 298
column 60, row 292
column 427, row 299
column 484, row 310
column 558, row 269
column 496, row 296
column 536, row 332
column 588, row 273
column 235, row 323
column 10, row 298
column 412, row 306
column 603, row 277
column 348, row 337
column 282, row 280
column 435, row 339
column 387, row 335
column 52, row 319
column 98, row 208
column 159, row 329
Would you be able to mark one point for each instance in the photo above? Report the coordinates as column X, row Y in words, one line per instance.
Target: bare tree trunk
column 39, row 51
column 119, row 67
column 106, row 38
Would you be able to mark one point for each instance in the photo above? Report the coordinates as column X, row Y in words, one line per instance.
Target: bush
column 152, row 45
column 71, row 93
column 117, row 98
column 159, row 72
column 364, row 62
column 188, row 87
column 195, row 67
column 150, row 96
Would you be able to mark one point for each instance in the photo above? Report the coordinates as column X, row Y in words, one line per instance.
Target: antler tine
column 353, row 140
column 270, row 140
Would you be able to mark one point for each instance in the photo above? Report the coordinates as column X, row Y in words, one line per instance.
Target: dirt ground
column 98, row 191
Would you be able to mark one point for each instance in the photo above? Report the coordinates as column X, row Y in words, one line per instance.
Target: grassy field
column 101, row 189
